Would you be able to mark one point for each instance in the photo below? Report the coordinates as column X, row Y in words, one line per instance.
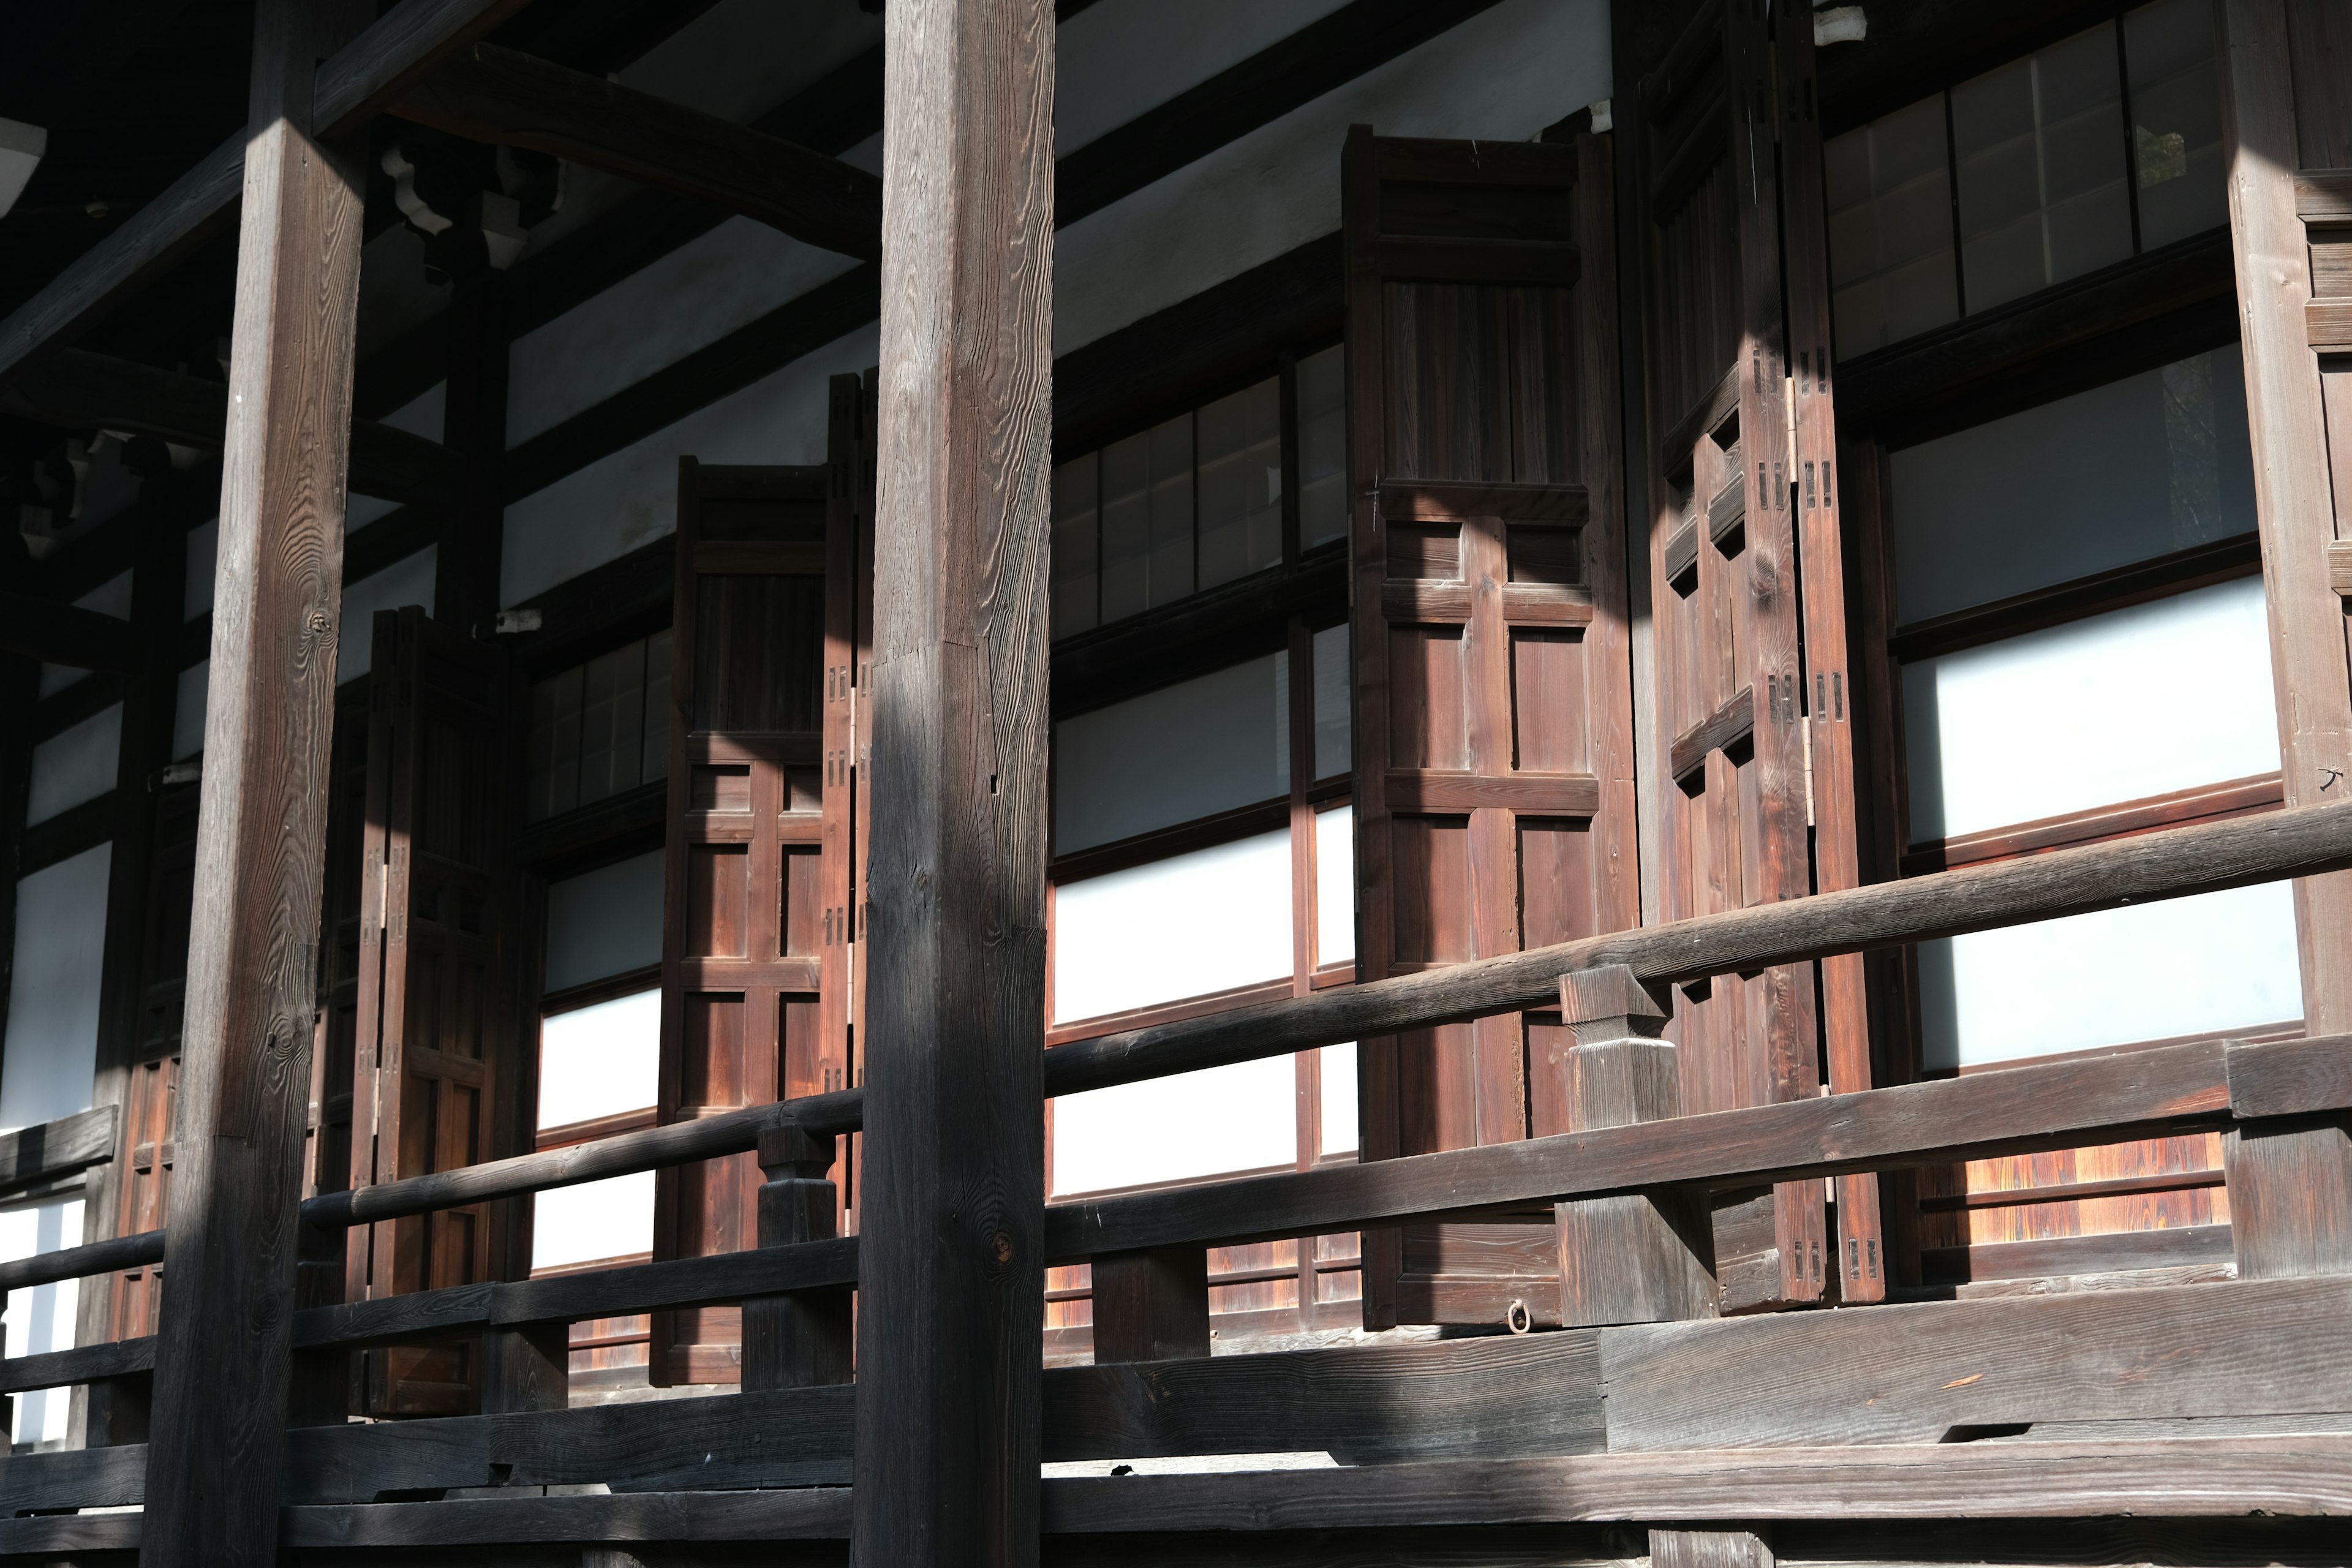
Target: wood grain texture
column 2287, row 1078
column 505, row 98
column 57, row 1148
column 83, row 1364
column 951, row 1278
column 222, row 1366
column 808, row 1513
column 2045, row 1107
column 2291, row 1195
column 73, row 1262
column 2295, row 510
column 1708, row 1549
column 1150, row 1306
column 1911, row 1373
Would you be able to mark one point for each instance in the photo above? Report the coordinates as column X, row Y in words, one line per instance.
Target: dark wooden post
column 1630, row 1257
column 474, row 429
column 221, row 1373
column 1152, row 1305
column 801, row 1339
column 951, row 1270
column 1709, row 1549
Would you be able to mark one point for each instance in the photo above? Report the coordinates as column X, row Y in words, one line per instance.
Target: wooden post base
column 1151, row 1305
column 801, row 1340
column 528, row 1368
column 2291, row 1195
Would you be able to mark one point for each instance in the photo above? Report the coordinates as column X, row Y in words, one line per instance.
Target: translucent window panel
column 2175, row 107
column 60, row 951
column 1186, row 750
column 1889, row 190
column 2132, row 703
column 1186, row 926
column 2146, row 972
column 613, row 714
column 1074, row 545
column 1241, row 483
column 1338, row 1075
column 1335, row 689
column 2040, row 147
column 203, row 560
column 611, row 1219
column 189, row 700
column 40, row 1318
column 1322, row 448
column 603, row 922
column 1335, row 885
column 1147, row 518
column 1238, row 1118
column 600, row 1061
column 552, row 749
column 2142, row 467
column 74, row 765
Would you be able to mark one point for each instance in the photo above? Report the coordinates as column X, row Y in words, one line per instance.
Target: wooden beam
column 506, row 97
column 351, row 87
column 223, row 1362
column 950, row 1318
column 65, row 633
column 57, row 1147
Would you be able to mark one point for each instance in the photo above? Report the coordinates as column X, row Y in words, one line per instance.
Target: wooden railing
column 1532, row 1407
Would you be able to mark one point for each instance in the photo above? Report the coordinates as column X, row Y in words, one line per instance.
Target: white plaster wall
column 1118, row 58
column 52, row 1041
column 75, row 765
column 605, row 921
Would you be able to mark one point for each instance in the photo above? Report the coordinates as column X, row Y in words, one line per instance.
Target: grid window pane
column 612, row 722
column 1241, row 483
column 1322, row 448
column 2041, row 155
column 2176, row 120
column 1074, row 545
column 1171, row 461
column 1126, row 527
column 657, row 649
column 1890, row 228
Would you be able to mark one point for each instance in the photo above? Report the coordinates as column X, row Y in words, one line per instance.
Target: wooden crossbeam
column 79, row 388
column 353, row 86
column 65, row 633
column 507, row 98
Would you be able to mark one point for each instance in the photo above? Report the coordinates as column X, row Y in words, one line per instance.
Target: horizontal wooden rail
column 2175, row 863
column 83, row 1364
column 2057, row 1105
column 74, row 1262
column 70, row 1144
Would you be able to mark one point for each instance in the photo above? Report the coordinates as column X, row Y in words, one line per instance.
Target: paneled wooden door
column 437, row 1062
column 1747, row 589
column 1494, row 763
column 761, row 918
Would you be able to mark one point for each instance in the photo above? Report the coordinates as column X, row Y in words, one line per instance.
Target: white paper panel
column 2183, row 966
column 600, row 1061
column 1339, row 1098
column 1186, row 750
column 52, row 1043
column 1335, row 885
column 74, row 764
column 1238, row 1118
column 1184, row 926
column 2135, row 703
column 41, row 1318
column 189, row 700
column 594, row 1220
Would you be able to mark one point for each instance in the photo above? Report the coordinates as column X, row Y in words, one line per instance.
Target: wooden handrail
column 31, row 1155
column 74, row 1262
column 2175, row 863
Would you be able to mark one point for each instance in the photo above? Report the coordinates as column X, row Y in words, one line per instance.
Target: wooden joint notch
column 1628, row 1258
column 2340, row 567
column 1718, row 731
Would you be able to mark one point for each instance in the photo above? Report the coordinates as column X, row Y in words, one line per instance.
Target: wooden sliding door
column 438, row 1068
column 761, row 912
column 1494, row 767
column 1755, row 709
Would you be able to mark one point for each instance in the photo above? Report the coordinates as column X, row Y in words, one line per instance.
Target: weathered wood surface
column 82, row 1478
column 2294, row 503
column 1500, row 1397
column 83, row 1364
column 222, row 1363
column 350, row 86
column 2185, row 1478
column 790, row 1438
column 1708, row 1549
column 57, row 1148
column 1150, row 1306
column 499, row 96
column 71, row 1533
column 76, row 1262
column 567, row 1298
column 2175, row 863
column 2291, row 1195
column 952, row 1276
column 1911, row 1373
column 810, row 1513
column 2130, row 1094
column 2288, row 1078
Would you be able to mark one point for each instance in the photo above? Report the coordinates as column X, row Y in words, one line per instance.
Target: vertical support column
column 2294, row 509
column 802, row 1339
column 951, row 1219
column 1152, row 1305
column 474, row 429
column 319, row 1391
column 1630, row 1257
column 222, row 1364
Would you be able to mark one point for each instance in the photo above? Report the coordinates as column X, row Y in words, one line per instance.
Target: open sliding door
column 438, row 1068
column 1493, row 761
column 761, row 913
column 1748, row 596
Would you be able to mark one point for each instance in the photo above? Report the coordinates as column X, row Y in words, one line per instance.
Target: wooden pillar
column 1152, row 1305
column 221, row 1373
column 474, row 429
column 951, row 1218
column 1629, row 1257
column 802, row 1339
column 2294, row 506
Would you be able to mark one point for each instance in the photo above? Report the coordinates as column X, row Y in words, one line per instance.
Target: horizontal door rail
column 2175, row 863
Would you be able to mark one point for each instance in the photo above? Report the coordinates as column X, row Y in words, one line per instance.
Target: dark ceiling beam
column 64, row 634
column 82, row 390
column 499, row 96
column 353, row 86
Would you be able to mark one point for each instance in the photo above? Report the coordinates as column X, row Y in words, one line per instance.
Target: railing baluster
column 801, row 1339
column 1151, row 1305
